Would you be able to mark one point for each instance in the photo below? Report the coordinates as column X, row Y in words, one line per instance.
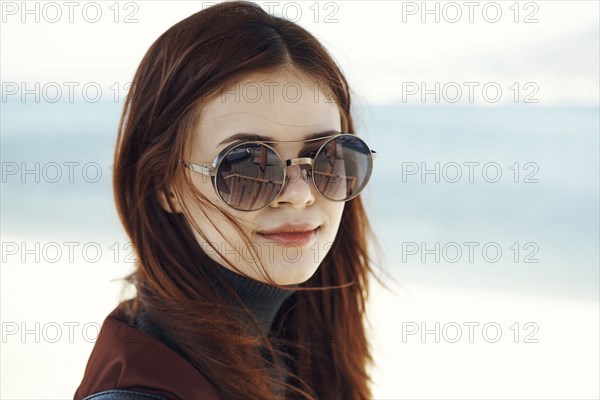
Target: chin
column 295, row 275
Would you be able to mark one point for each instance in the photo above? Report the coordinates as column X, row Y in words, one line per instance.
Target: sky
column 545, row 52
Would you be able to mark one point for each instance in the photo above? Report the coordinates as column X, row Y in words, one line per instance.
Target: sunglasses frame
column 212, row 170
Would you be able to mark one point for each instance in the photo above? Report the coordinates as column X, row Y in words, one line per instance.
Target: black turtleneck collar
column 263, row 300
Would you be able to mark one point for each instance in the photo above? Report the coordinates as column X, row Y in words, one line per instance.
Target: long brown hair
column 320, row 332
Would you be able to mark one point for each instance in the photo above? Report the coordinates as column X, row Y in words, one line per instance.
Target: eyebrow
column 244, row 136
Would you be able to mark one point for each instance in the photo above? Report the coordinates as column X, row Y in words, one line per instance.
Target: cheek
column 204, row 185
column 334, row 210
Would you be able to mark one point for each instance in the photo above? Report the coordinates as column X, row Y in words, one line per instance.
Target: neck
column 263, row 300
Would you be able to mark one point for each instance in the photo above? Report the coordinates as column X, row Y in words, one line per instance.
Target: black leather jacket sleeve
column 121, row 394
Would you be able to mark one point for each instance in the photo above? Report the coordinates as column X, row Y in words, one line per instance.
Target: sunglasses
column 249, row 176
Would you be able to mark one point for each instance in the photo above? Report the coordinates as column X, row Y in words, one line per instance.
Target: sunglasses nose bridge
column 299, row 161
column 305, row 164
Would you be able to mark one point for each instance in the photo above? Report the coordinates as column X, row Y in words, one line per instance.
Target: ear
column 162, row 199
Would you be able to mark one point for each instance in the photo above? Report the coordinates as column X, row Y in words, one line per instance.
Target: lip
column 301, row 239
column 290, row 228
column 301, row 235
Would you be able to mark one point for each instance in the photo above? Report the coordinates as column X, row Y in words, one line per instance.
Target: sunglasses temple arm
column 198, row 168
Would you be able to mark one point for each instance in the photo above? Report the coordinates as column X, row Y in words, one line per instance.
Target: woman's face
column 281, row 106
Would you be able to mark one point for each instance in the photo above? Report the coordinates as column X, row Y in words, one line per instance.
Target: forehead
column 282, row 106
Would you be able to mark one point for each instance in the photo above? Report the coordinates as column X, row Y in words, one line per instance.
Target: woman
column 236, row 176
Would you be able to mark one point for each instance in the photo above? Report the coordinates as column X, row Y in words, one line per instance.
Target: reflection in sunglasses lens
column 249, row 177
column 342, row 167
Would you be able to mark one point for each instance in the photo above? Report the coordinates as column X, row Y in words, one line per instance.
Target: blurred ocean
column 543, row 209
column 554, row 220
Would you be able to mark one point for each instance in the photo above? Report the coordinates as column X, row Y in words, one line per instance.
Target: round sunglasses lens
column 249, row 177
column 343, row 167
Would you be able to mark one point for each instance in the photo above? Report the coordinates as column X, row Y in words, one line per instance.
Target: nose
column 297, row 189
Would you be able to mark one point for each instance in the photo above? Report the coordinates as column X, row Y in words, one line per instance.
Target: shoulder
column 122, row 394
column 125, row 358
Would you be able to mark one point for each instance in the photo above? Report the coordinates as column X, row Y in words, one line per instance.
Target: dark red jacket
column 125, row 357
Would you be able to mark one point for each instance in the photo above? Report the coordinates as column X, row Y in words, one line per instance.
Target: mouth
column 298, row 238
